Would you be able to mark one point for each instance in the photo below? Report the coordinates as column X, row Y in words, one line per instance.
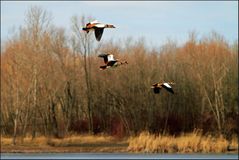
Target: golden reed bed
column 186, row 143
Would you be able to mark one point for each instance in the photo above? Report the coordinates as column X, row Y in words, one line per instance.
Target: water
column 114, row 156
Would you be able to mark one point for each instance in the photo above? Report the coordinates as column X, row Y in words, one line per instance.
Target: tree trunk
column 54, row 120
column 34, row 103
column 15, row 127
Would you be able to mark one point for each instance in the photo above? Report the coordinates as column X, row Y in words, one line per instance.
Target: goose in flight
column 166, row 85
column 110, row 61
column 97, row 27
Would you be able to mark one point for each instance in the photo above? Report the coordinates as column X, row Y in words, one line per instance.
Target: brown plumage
column 110, row 61
column 97, row 27
column 166, row 85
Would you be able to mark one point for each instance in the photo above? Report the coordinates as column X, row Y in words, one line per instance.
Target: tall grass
column 80, row 139
column 38, row 141
column 69, row 140
column 185, row 143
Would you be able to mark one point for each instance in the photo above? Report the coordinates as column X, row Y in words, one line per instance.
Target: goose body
column 110, row 61
column 97, row 27
column 166, row 85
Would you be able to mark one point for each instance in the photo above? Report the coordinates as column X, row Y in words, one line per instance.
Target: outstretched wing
column 98, row 33
column 95, row 21
column 111, row 63
column 105, row 56
column 168, row 87
column 156, row 90
column 110, row 57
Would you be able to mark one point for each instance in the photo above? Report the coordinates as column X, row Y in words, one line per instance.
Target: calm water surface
column 114, row 156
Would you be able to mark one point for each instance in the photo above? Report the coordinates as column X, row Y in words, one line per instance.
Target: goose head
column 109, row 26
column 122, row 62
column 172, row 83
column 125, row 62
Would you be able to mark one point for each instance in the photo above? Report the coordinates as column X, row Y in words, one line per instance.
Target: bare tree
column 85, row 48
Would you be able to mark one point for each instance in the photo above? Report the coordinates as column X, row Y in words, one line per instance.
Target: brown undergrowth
column 71, row 143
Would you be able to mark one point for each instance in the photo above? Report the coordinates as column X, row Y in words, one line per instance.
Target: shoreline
column 193, row 143
column 85, row 149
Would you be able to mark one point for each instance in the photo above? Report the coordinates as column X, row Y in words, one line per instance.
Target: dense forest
column 51, row 83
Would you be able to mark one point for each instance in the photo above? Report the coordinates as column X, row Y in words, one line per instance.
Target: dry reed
column 186, row 143
column 69, row 140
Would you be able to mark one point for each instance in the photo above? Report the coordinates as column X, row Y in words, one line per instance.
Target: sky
column 156, row 21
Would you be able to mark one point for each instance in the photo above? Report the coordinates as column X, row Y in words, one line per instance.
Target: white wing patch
column 111, row 57
column 167, row 85
column 95, row 21
column 100, row 25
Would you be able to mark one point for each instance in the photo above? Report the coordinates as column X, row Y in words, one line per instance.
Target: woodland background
column 51, row 83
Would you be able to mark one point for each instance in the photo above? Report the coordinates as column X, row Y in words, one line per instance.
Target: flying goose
column 166, row 85
column 97, row 27
column 110, row 61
